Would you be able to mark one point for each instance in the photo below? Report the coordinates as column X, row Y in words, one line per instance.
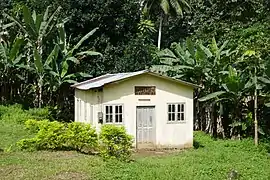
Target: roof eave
column 84, row 82
column 176, row 80
column 123, row 79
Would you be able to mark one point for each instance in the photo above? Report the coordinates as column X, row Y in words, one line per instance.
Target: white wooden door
column 146, row 132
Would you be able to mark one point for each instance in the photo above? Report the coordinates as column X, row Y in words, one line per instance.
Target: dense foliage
column 112, row 142
column 115, row 143
column 227, row 102
column 45, row 46
column 60, row 136
column 16, row 114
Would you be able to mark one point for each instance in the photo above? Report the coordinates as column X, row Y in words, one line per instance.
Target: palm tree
column 168, row 7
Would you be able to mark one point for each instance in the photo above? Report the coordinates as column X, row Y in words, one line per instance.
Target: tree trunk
column 220, row 128
column 255, row 118
column 208, row 121
column 203, row 116
column 214, row 120
column 40, row 97
column 160, row 32
column 40, row 86
column 255, row 110
column 197, row 123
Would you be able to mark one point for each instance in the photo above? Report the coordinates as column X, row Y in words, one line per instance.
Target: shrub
column 28, row 144
column 40, row 113
column 115, row 143
column 16, row 114
column 3, row 110
column 114, row 140
column 50, row 136
column 32, row 125
column 59, row 136
column 81, row 136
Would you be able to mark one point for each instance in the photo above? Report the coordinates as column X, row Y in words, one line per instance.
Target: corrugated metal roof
column 110, row 78
column 105, row 79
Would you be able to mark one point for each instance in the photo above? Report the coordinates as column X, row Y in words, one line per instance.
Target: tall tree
column 256, row 68
column 37, row 28
column 167, row 7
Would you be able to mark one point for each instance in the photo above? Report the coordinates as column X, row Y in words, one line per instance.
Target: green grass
column 11, row 125
column 212, row 160
column 10, row 133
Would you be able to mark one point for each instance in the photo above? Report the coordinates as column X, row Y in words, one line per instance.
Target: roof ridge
column 111, row 78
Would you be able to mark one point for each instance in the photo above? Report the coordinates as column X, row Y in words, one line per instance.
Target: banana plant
column 36, row 27
column 257, row 70
column 11, row 54
column 11, row 62
column 42, row 69
column 193, row 61
column 233, row 91
column 198, row 64
column 69, row 53
column 60, row 69
column 57, row 64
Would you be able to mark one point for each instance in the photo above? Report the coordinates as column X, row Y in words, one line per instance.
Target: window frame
column 176, row 113
column 113, row 114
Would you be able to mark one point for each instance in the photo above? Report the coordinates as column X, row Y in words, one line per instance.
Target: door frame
column 154, row 124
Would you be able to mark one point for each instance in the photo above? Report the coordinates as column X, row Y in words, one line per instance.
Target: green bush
column 59, row 136
column 114, row 140
column 115, row 143
column 30, row 144
column 3, row 110
column 16, row 114
column 40, row 113
column 81, row 136
column 50, row 136
column 32, row 125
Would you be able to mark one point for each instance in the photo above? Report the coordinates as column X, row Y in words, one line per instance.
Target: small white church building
column 156, row 110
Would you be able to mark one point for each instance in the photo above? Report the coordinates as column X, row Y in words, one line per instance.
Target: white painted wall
column 167, row 135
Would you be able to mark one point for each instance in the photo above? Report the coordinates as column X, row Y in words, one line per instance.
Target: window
column 114, row 114
column 145, row 90
column 176, row 112
column 109, row 114
column 118, row 114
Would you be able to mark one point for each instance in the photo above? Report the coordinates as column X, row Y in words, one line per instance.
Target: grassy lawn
column 212, row 160
column 10, row 133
